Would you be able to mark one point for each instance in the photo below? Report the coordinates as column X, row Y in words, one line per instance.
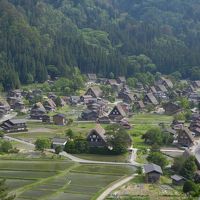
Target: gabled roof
column 177, row 177
column 92, row 76
column 100, row 131
column 50, row 102
column 57, row 140
column 188, row 133
column 112, row 82
column 96, row 90
column 168, row 82
column 59, row 115
column 122, row 79
column 197, row 83
column 17, row 121
column 152, row 98
column 141, row 104
column 153, row 89
column 148, row 168
column 120, row 109
column 162, row 88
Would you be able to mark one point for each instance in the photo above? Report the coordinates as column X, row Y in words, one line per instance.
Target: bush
column 42, row 144
column 6, row 146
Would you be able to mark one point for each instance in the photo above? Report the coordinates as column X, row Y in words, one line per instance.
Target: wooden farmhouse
column 172, row 108
column 14, row 125
column 185, row 137
column 117, row 113
column 95, row 92
column 59, row 119
column 97, row 137
column 152, row 173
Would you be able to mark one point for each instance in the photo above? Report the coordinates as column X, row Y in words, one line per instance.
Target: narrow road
column 18, row 140
column 115, row 186
column 71, row 157
column 133, row 155
column 76, row 159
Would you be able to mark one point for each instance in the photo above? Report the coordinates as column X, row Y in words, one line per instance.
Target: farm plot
column 82, row 182
column 38, row 165
column 23, row 176
column 105, row 169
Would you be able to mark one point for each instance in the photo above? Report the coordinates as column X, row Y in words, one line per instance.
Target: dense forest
column 125, row 37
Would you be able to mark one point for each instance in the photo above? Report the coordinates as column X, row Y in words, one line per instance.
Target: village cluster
column 159, row 98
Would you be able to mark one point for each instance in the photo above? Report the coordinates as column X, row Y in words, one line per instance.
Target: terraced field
column 57, row 180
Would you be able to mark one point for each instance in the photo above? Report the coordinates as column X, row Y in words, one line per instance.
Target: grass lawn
column 143, row 122
column 106, row 158
column 40, row 130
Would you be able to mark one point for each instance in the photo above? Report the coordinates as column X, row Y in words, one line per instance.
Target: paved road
column 133, row 155
column 172, row 150
column 18, row 140
column 115, row 186
column 74, row 158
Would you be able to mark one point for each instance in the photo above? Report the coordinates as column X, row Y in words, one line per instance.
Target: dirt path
column 115, row 186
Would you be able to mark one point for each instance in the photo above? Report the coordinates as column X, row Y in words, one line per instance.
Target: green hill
column 126, row 37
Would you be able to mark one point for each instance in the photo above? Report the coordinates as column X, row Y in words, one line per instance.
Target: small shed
column 177, row 180
column 152, row 172
column 59, row 119
column 59, row 142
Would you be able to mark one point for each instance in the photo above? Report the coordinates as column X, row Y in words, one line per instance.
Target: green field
column 58, row 179
column 105, row 158
column 143, row 122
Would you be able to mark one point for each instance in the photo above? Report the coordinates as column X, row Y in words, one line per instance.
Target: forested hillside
column 126, row 37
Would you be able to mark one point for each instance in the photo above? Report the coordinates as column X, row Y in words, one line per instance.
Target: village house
column 104, row 119
column 166, row 82
column 12, row 101
column 59, row 119
column 14, row 125
column 195, row 127
column 185, row 137
column 161, row 88
column 49, row 105
column 177, row 124
column 121, row 80
column 152, row 172
column 97, row 137
column 37, row 111
column 56, row 141
column 74, row 100
column 139, row 105
column 150, row 99
column 46, row 119
column 19, row 106
column 137, row 97
column 153, row 90
column 88, row 99
column 117, row 113
column 177, row 180
column 111, row 82
column 196, row 84
column 15, row 93
column 171, row 108
column 95, row 92
column 125, row 123
column 5, row 107
column 92, row 77
column 126, row 97
column 89, row 115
